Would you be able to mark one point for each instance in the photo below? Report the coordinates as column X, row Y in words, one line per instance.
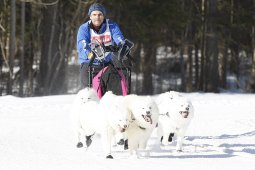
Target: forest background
column 183, row 45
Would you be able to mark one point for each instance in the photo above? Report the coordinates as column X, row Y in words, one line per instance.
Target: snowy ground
column 35, row 133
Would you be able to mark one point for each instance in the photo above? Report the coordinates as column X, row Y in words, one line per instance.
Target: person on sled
column 97, row 28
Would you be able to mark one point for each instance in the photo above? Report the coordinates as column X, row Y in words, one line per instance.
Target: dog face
column 172, row 104
column 87, row 94
column 185, row 108
column 118, row 112
column 145, row 111
column 119, row 117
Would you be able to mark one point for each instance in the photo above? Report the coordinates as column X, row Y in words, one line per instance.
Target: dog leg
column 143, row 144
column 120, row 138
column 79, row 134
column 132, row 146
column 126, row 144
column 142, row 151
column 106, row 138
column 164, row 141
column 88, row 140
column 180, row 136
column 179, row 143
column 121, row 142
column 170, row 138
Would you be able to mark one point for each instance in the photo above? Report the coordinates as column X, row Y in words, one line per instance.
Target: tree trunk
column 52, row 71
column 202, row 66
column 30, row 73
column 1, row 72
column 224, row 66
column 22, row 46
column 253, row 42
column 197, row 66
column 212, row 49
column 226, row 48
column 12, row 46
column 183, row 73
column 253, row 50
column 148, row 64
column 190, row 69
column 137, row 67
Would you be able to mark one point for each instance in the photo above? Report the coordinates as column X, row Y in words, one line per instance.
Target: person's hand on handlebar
column 90, row 54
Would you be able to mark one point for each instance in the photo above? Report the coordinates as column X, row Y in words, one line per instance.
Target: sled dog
column 106, row 117
column 143, row 119
column 176, row 112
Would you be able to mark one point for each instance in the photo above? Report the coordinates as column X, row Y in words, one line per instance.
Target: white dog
column 83, row 96
column 175, row 115
column 143, row 119
column 105, row 118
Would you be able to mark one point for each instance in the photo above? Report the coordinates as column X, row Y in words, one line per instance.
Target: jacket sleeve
column 117, row 35
column 83, row 41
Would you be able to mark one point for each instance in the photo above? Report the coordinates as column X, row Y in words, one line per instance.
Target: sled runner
column 116, row 75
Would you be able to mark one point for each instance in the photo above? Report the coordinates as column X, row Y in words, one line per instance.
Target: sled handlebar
column 131, row 58
column 111, row 48
column 122, row 50
column 105, row 49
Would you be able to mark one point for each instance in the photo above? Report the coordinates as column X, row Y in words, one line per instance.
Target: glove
column 90, row 54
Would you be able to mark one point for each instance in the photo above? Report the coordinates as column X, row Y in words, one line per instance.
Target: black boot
column 88, row 140
column 170, row 138
column 79, row 145
column 109, row 157
column 126, row 144
column 161, row 139
column 121, row 142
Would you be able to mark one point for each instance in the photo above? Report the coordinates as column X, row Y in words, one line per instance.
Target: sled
column 116, row 76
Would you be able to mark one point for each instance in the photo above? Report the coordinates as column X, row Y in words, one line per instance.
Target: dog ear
column 167, row 114
column 149, row 99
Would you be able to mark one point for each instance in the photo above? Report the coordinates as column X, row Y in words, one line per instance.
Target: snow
column 36, row 133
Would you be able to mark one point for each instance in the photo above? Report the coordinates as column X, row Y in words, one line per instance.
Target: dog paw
column 88, row 141
column 161, row 139
column 121, row 142
column 109, row 157
column 79, row 145
column 170, row 138
column 126, row 144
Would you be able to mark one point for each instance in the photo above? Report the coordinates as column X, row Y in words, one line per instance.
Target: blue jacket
column 84, row 41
